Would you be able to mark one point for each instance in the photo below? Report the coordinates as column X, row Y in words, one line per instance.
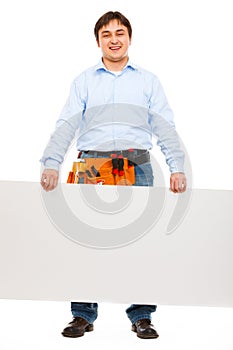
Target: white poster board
column 40, row 260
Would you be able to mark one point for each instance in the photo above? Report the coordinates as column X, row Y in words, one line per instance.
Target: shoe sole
column 89, row 328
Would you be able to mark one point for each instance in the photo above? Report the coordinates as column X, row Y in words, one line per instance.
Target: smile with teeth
column 115, row 48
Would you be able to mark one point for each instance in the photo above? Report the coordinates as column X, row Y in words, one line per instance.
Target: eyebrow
column 108, row 31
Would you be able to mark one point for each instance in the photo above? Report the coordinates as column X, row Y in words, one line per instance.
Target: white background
column 188, row 45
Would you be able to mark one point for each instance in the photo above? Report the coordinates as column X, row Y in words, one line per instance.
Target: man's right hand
column 49, row 179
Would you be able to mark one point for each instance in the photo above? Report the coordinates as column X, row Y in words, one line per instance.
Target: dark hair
column 109, row 16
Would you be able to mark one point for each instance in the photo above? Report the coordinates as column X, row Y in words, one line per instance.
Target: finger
column 183, row 186
column 50, row 186
column 174, row 185
column 43, row 182
column 171, row 184
column 53, row 182
column 46, row 183
column 179, row 185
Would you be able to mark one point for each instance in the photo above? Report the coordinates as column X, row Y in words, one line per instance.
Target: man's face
column 114, row 41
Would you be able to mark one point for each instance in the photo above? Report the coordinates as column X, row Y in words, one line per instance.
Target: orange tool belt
column 103, row 171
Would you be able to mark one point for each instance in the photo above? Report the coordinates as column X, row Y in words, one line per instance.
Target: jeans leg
column 137, row 312
column 88, row 311
column 144, row 177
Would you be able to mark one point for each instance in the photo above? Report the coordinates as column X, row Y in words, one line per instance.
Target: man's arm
column 163, row 127
column 61, row 139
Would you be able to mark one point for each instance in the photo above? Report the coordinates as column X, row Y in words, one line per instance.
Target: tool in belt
column 107, row 168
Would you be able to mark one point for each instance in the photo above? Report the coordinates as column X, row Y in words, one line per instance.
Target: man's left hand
column 178, row 182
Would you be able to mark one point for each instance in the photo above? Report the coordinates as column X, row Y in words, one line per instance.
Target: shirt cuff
column 50, row 163
column 177, row 169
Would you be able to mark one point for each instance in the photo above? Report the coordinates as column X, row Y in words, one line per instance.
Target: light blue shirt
column 107, row 111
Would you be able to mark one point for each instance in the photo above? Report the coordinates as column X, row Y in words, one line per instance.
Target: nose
column 114, row 39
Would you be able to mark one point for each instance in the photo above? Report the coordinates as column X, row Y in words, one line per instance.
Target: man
column 115, row 107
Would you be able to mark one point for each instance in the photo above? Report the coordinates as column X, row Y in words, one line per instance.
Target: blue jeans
column 89, row 311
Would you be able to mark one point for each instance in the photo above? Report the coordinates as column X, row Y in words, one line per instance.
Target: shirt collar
column 101, row 66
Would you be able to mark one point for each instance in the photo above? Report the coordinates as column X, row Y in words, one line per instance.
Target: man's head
column 110, row 16
column 113, row 34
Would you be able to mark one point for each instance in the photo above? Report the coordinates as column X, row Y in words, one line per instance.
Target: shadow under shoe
column 144, row 329
column 77, row 327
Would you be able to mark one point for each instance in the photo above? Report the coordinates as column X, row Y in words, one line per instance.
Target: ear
column 98, row 43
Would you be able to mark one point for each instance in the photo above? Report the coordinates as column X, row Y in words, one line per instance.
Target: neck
column 115, row 65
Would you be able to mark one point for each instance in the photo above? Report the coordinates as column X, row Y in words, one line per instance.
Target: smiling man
column 115, row 82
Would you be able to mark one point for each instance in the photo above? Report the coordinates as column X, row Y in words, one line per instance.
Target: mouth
column 115, row 48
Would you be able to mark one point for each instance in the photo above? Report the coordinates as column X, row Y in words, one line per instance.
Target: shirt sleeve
column 163, row 127
column 66, row 127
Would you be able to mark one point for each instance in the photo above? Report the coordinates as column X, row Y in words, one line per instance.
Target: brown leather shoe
column 145, row 329
column 77, row 327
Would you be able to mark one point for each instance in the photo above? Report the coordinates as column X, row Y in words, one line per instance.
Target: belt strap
column 137, row 156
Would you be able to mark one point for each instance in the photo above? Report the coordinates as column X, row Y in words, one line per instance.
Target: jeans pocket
column 144, row 175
